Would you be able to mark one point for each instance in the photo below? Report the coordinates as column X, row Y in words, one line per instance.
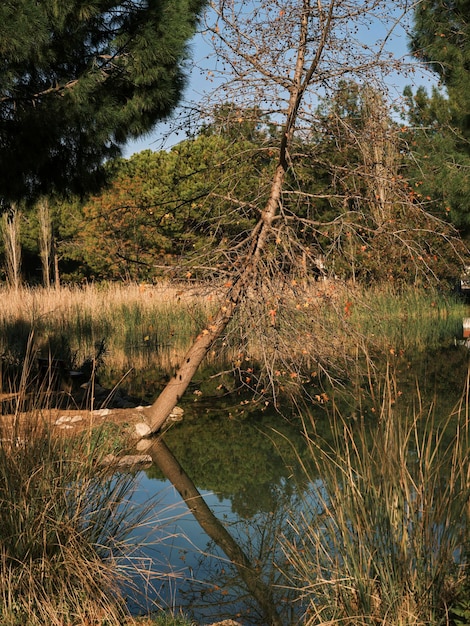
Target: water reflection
column 248, row 476
column 188, row 570
column 249, row 471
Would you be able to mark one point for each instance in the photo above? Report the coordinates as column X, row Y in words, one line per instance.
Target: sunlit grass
column 383, row 532
column 291, row 329
column 138, row 324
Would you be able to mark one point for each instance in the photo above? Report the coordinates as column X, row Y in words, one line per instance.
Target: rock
column 63, row 419
column 176, row 415
column 142, row 429
column 143, row 444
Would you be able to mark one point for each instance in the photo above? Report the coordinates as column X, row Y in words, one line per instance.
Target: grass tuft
column 64, row 519
column 383, row 535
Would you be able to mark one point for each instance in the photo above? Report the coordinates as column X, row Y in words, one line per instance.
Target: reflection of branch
column 168, row 464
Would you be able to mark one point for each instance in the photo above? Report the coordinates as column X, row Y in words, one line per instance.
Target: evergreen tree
column 441, row 38
column 78, row 78
column 437, row 163
column 439, row 138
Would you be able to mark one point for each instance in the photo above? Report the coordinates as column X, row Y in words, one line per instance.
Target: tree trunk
column 11, row 238
column 56, row 266
column 175, row 388
column 256, row 240
column 45, row 241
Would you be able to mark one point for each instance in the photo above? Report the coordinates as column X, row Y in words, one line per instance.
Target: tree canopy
column 441, row 38
column 438, row 158
column 440, row 121
column 350, row 194
column 79, row 78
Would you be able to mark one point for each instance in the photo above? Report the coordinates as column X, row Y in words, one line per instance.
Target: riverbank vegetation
column 64, row 518
column 124, row 330
column 337, row 552
column 383, row 537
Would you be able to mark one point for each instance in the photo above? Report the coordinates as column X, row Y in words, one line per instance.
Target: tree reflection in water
column 249, row 471
column 230, row 568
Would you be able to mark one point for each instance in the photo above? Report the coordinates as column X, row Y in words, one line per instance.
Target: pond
column 257, row 468
column 244, row 469
column 248, row 462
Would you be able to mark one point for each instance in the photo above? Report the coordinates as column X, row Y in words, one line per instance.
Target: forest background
column 176, row 212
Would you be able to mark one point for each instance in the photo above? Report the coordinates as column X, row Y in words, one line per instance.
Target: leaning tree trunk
column 256, row 241
column 175, row 388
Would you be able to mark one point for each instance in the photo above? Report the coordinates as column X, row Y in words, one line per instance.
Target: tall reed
column 137, row 322
column 64, row 518
column 284, row 336
column 383, row 537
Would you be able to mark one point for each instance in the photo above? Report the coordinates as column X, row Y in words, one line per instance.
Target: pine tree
column 441, row 38
column 440, row 121
column 437, row 156
column 78, row 78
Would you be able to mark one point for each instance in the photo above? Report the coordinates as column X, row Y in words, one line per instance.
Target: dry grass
column 287, row 330
column 134, row 321
column 383, row 534
column 65, row 519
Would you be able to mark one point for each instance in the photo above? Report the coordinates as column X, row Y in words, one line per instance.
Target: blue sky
column 200, row 84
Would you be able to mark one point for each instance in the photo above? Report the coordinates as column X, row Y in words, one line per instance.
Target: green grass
column 412, row 318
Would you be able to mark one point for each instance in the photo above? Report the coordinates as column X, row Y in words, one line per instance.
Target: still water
column 246, row 461
column 245, row 469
